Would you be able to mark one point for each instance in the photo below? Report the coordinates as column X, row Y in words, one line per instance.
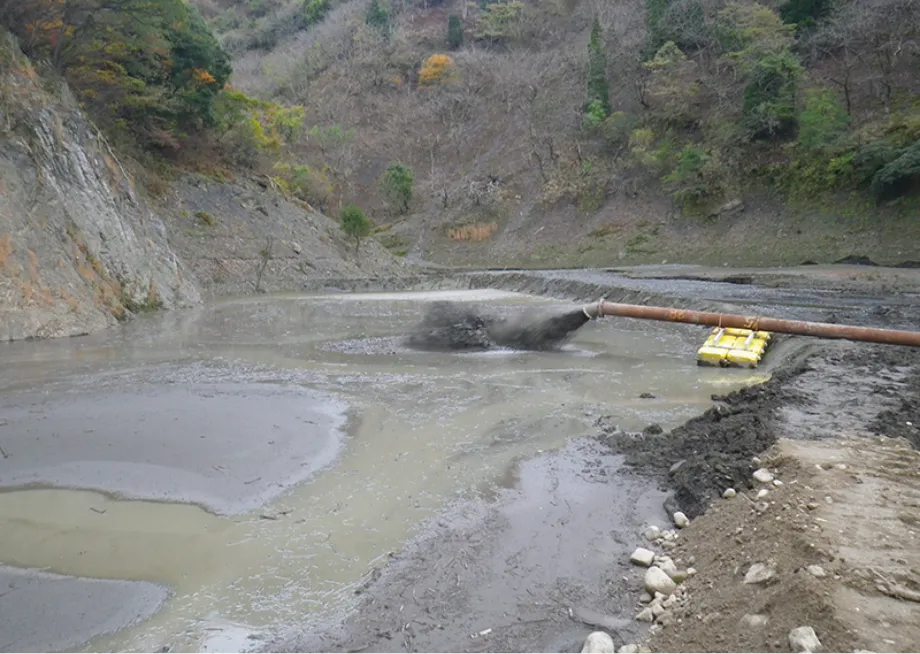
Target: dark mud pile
column 706, row 455
column 450, row 326
column 711, row 452
column 904, row 421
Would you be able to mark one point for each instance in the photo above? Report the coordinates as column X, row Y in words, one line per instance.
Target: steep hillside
column 581, row 132
column 82, row 245
column 79, row 248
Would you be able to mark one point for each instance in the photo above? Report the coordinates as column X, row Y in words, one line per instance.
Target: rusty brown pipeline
column 800, row 327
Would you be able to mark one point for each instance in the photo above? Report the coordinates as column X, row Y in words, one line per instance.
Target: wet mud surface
column 222, row 407
column 105, row 605
column 530, row 571
column 534, row 556
column 155, row 439
column 823, row 390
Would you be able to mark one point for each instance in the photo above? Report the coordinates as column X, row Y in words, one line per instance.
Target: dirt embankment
column 837, row 532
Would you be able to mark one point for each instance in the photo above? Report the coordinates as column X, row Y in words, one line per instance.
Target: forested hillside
column 546, row 132
column 595, row 121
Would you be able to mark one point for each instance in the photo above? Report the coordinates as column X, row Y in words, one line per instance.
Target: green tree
column 768, row 110
column 804, row 14
column 313, row 11
column 497, row 20
column 900, row 176
column 454, row 32
column 396, row 184
column 822, row 120
column 597, row 106
column 199, row 70
column 377, row 16
column 355, row 224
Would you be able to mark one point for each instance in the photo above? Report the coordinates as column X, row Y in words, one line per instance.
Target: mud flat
column 833, row 535
column 206, row 452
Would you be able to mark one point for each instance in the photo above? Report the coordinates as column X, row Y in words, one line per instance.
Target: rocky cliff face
column 79, row 249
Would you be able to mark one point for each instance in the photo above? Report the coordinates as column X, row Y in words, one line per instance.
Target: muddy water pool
column 256, row 457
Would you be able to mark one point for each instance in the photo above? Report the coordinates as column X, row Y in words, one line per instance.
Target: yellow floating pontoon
column 728, row 346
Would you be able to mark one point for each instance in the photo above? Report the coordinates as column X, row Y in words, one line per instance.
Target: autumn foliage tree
column 150, row 69
column 437, row 69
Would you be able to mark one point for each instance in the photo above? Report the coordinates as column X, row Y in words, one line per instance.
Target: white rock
column 642, row 557
column 804, row 639
column 729, row 493
column 669, row 535
column 660, row 597
column 643, row 649
column 665, row 619
column 691, row 572
column 762, row 493
column 670, row 602
column 645, row 615
column 754, row 620
column 755, row 461
column 679, row 576
column 668, row 567
column 296, row 247
column 759, row 573
column 816, row 570
column 599, row 642
column 763, row 476
column 681, row 520
column 652, row 533
column 657, row 609
column 777, row 482
column 645, row 598
column 657, row 581
column 628, row 649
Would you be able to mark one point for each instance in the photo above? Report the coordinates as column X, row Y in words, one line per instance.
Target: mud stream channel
column 199, row 479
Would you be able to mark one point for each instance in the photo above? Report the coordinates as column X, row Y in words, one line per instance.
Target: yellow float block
column 733, row 347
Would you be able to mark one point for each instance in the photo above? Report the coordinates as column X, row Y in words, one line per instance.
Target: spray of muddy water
column 451, row 326
column 297, row 442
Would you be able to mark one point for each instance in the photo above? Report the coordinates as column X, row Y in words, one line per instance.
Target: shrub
column 311, row 185
column 672, row 91
column 617, row 128
column 436, row 69
column 355, row 224
column 313, row 11
column 898, row 177
column 396, row 184
column 822, row 121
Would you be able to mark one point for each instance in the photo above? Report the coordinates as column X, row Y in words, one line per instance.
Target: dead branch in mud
column 892, row 589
